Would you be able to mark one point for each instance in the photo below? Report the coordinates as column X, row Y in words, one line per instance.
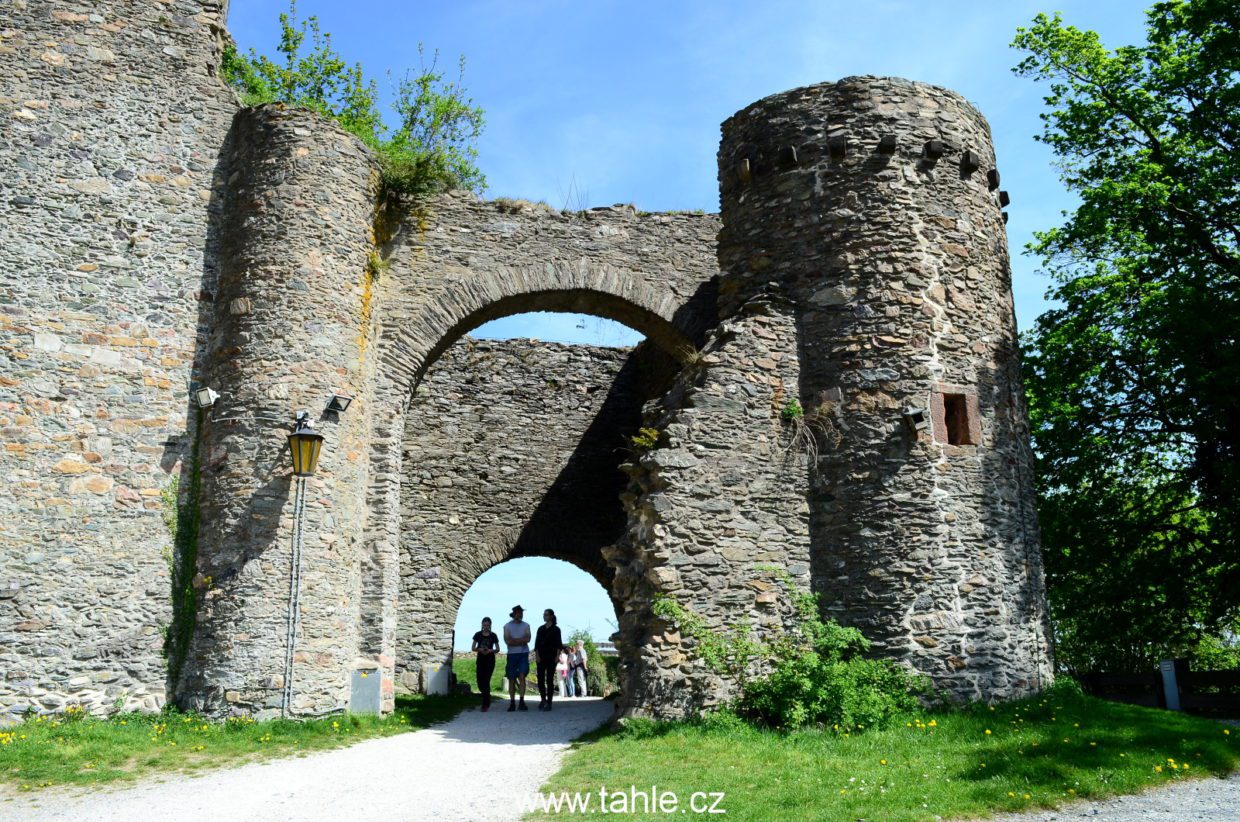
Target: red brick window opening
column 956, row 419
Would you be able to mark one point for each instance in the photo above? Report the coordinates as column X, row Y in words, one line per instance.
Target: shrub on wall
column 432, row 149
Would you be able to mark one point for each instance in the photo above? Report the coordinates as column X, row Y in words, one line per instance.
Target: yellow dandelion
column 1027, row 796
column 1158, row 769
column 932, row 723
column 882, row 761
column 1010, row 793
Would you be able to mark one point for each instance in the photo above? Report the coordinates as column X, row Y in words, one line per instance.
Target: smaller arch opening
column 583, row 608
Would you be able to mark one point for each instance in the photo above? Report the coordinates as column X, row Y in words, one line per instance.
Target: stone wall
column 717, row 502
column 871, row 205
column 512, row 449
column 112, row 126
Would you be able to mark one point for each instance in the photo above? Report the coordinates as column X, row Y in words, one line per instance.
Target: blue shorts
column 518, row 666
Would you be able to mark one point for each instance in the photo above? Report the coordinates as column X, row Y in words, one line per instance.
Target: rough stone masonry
column 156, row 238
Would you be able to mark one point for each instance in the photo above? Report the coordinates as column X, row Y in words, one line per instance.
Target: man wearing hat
column 517, row 638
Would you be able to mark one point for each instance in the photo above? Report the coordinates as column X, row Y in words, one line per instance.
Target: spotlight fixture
column 206, row 397
column 339, row 403
column 917, row 419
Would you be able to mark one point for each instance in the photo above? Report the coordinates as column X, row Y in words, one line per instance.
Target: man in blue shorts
column 517, row 638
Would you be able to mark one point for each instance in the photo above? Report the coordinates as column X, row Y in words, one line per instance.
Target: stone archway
column 465, row 262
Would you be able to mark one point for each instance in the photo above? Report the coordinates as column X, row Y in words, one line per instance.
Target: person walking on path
column 546, row 649
column 578, row 666
column 517, row 638
column 486, row 644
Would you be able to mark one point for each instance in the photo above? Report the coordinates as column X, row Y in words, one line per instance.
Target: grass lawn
column 466, row 670
column 1039, row 752
column 56, row 750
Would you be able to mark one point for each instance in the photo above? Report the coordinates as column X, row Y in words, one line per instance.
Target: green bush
column 818, row 674
column 432, row 149
column 813, row 689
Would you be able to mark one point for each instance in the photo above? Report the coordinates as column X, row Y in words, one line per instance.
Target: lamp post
column 304, row 444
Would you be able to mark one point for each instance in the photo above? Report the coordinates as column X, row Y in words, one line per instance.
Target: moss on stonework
column 184, row 529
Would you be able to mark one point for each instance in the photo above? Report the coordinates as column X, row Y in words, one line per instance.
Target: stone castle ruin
column 157, row 238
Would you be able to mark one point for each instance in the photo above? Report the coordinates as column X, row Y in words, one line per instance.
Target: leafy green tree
column 1134, row 377
column 431, row 149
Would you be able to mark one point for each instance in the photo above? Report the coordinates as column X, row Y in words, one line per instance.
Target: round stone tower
column 291, row 327
column 871, row 207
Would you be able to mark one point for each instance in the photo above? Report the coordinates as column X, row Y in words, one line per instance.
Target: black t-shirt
column 490, row 642
column 547, row 642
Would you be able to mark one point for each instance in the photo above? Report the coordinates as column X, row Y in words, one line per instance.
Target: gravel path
column 475, row 767
column 1197, row 800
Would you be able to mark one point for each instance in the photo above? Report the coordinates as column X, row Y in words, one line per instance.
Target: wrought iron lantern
column 305, row 444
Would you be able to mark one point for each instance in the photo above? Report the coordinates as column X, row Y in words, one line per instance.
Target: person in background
column 579, row 666
column 570, row 683
column 546, row 649
column 517, row 638
column 486, row 644
column 561, row 671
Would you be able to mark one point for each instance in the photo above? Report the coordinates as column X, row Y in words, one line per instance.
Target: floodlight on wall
column 917, row 419
column 206, row 397
column 339, row 403
column 305, row 444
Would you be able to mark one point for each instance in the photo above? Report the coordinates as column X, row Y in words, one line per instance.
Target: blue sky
column 597, row 102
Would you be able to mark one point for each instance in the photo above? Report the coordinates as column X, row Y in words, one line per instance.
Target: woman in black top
column 547, row 644
column 486, row 644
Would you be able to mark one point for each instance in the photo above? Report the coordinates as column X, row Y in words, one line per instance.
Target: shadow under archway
column 512, row 449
